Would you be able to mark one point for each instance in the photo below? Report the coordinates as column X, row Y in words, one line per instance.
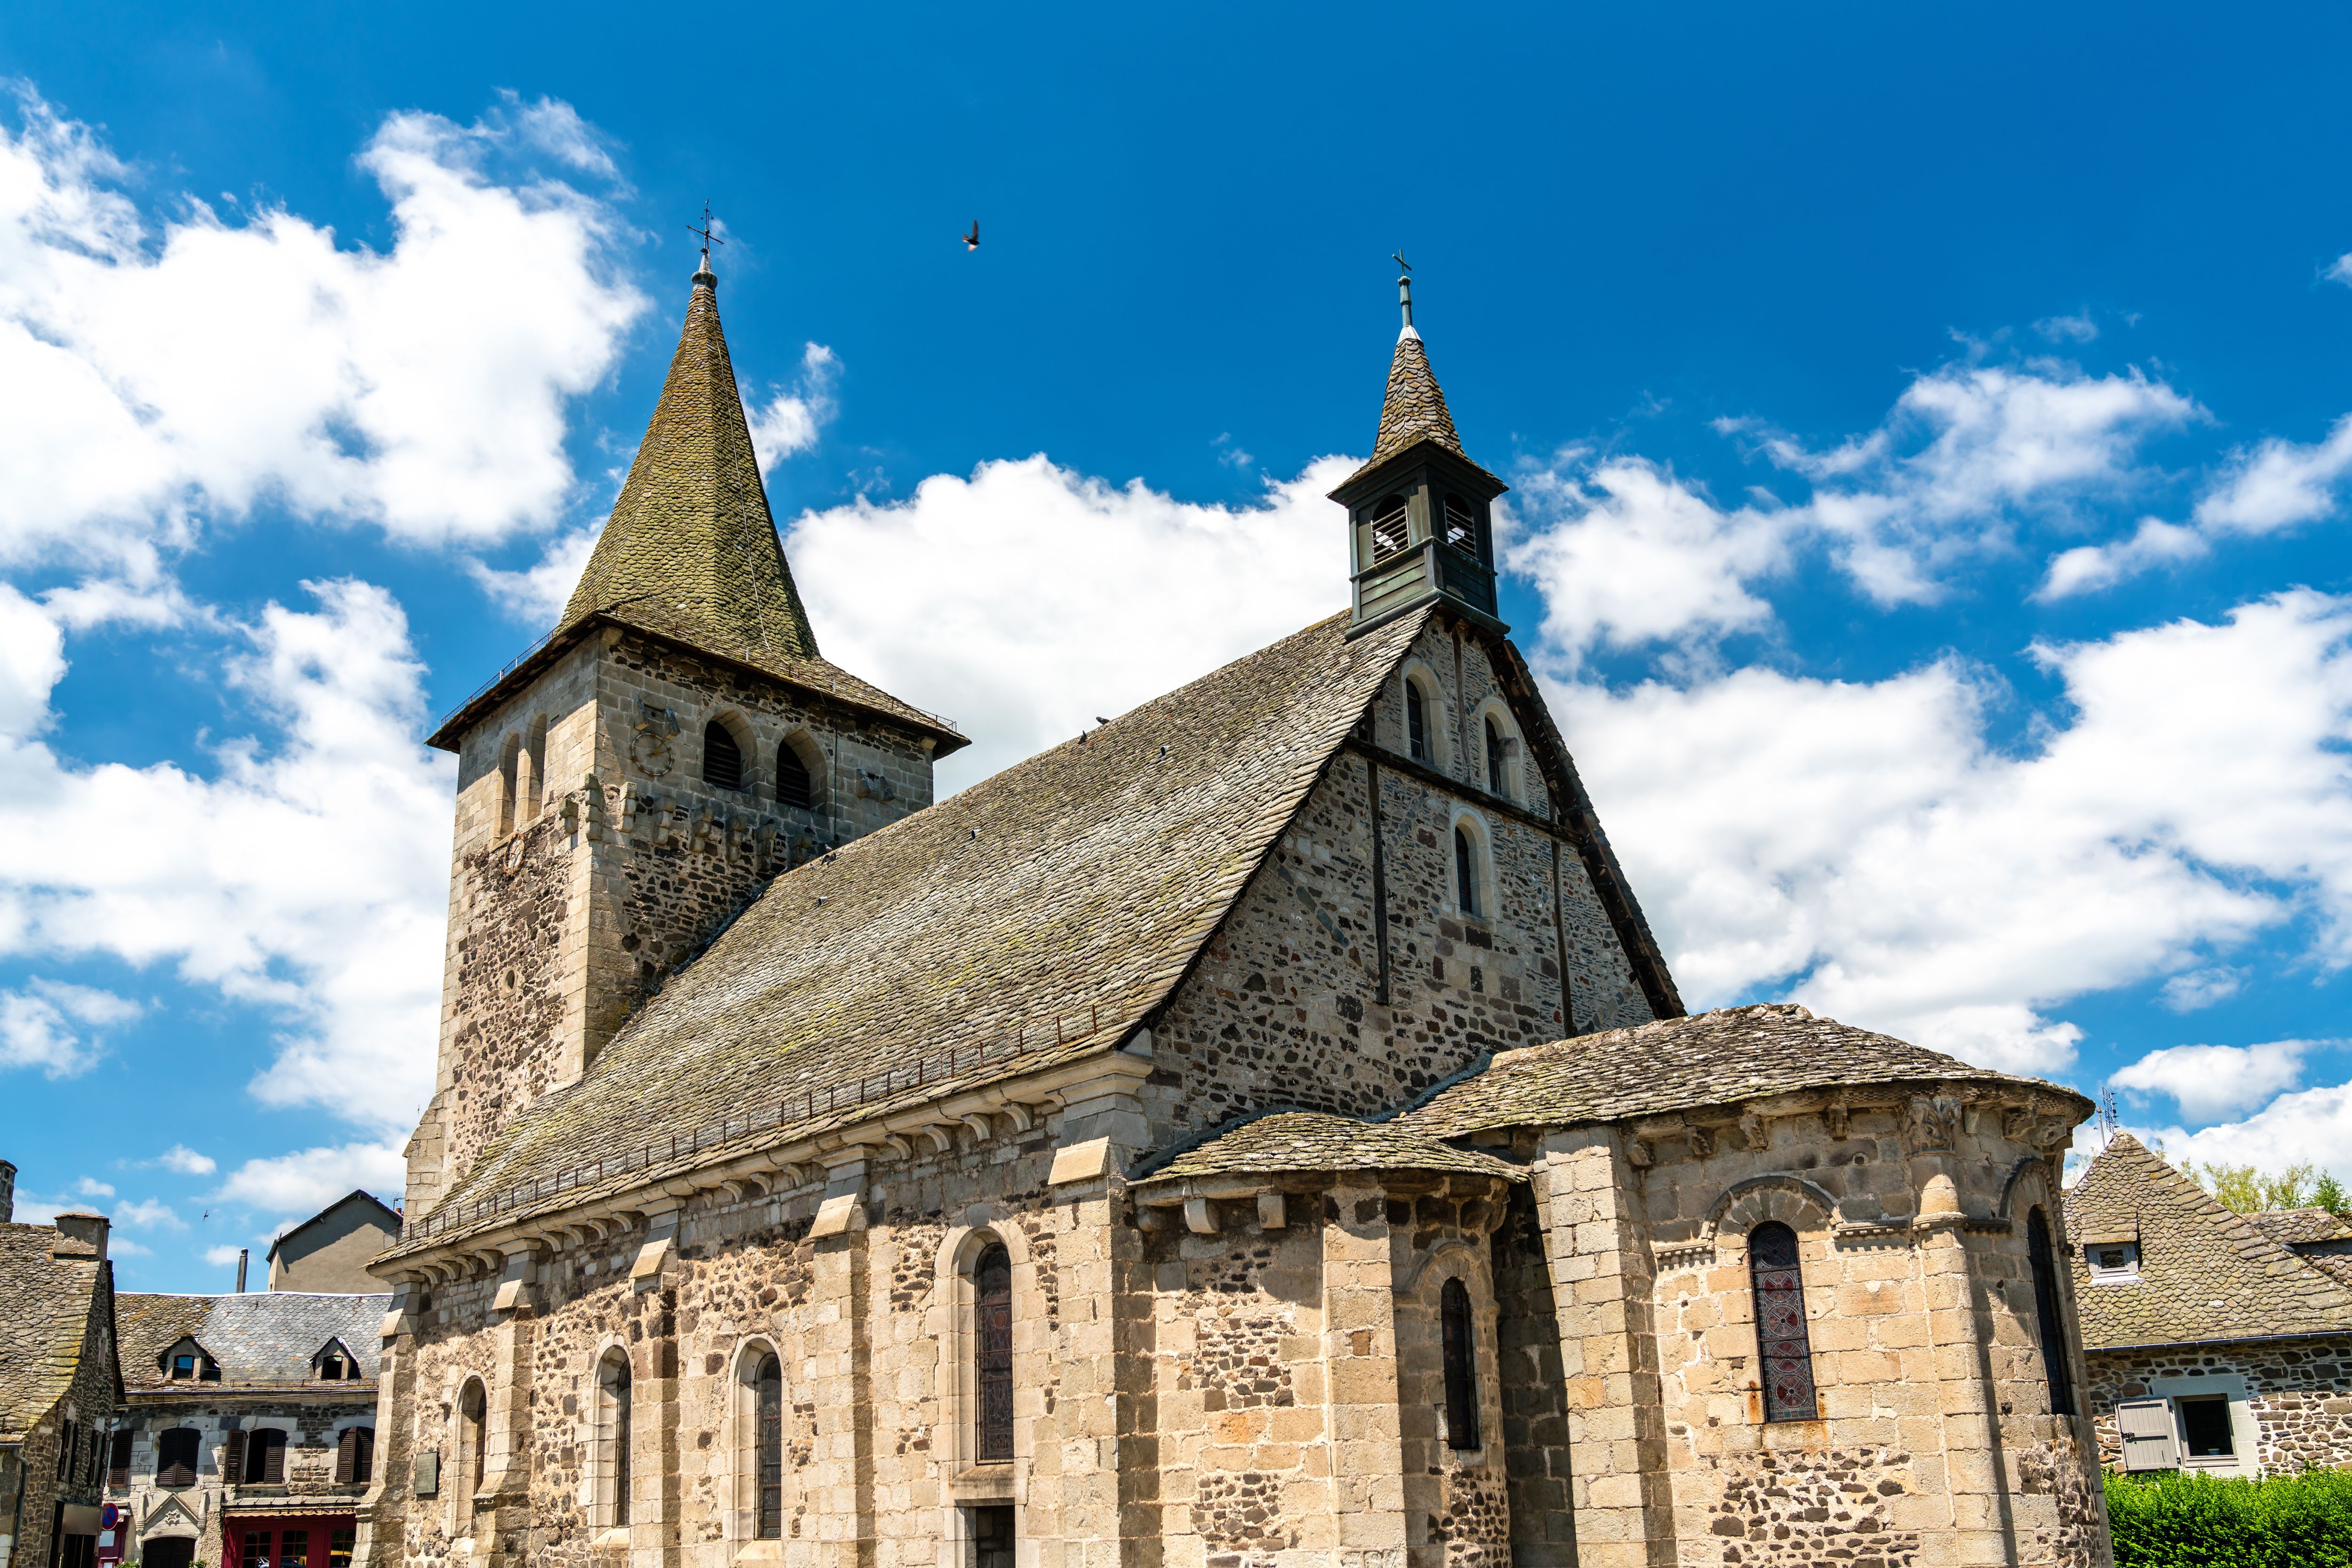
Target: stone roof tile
column 1079, row 884
column 1412, row 410
column 1308, row 1140
column 2206, row 1273
column 45, row 1320
column 261, row 1339
column 2301, row 1227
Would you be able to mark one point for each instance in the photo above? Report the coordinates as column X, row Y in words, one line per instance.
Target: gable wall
column 2299, row 1393
column 1285, row 1004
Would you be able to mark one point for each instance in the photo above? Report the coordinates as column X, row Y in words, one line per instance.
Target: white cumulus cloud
column 58, row 1027
column 297, row 1185
column 791, row 416
column 2210, row 1083
column 186, row 1161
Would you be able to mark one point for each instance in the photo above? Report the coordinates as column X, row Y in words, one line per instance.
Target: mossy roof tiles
column 2206, row 1273
column 1412, row 410
column 691, row 532
column 1079, row 883
column 1707, row 1058
column 1309, row 1140
column 2301, row 1227
column 45, row 1312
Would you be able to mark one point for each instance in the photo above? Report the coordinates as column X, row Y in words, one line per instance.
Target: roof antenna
column 703, row 272
column 1404, row 292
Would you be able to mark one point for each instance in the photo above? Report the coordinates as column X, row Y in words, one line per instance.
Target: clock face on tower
column 650, row 749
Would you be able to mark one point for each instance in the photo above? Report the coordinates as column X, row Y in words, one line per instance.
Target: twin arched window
column 1783, row 1349
column 2056, row 1366
column 1461, row 1356
column 991, row 1282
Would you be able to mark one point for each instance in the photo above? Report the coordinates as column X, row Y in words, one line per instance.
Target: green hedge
column 2197, row 1521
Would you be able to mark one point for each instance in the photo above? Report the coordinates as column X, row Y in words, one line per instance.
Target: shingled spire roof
column 691, row 537
column 1414, row 410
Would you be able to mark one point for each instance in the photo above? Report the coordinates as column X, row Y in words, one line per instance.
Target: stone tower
column 1419, row 511
column 635, row 779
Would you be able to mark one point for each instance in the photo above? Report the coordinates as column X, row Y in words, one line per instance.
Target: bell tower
column 637, row 778
column 1420, row 513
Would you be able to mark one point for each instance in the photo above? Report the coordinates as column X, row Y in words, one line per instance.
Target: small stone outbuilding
column 58, row 1385
column 2214, row 1343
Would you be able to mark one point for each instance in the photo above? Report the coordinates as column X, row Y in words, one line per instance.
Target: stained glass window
column 992, row 1278
column 1782, row 1343
column 1461, row 1367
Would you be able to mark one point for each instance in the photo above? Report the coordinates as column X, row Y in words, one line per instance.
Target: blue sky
column 1928, row 494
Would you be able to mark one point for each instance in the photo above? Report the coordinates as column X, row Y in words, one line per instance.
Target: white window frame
column 2128, row 1274
column 2245, row 1432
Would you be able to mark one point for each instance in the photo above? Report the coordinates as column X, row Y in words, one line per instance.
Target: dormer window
column 2112, row 1262
column 1390, row 526
column 1461, row 525
column 189, row 1361
column 334, row 1364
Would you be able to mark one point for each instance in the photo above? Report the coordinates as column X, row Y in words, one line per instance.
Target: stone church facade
column 1261, row 1133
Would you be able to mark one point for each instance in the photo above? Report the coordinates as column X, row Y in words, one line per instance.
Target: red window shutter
column 233, row 1459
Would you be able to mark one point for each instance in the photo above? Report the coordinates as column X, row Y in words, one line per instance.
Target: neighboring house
column 330, row 1250
column 1260, row 1132
column 57, row 1383
column 248, row 1431
column 2213, row 1342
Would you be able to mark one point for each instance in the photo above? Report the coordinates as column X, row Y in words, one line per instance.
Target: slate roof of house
column 261, row 1339
column 690, row 551
column 2301, row 1227
column 1707, row 1058
column 691, row 530
column 46, row 1282
column 2206, row 1273
column 1304, row 1140
column 1412, row 410
column 1079, row 883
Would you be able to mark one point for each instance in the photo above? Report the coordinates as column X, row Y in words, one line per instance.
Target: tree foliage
column 2249, row 1190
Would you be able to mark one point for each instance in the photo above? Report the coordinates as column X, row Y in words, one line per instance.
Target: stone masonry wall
column 313, row 1423
column 87, row 1408
column 2299, row 1393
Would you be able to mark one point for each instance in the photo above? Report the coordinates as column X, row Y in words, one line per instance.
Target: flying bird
column 971, row 240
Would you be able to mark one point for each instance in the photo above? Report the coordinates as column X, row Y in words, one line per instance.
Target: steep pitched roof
column 1708, row 1058
column 49, row 1285
column 1302, row 1141
column 261, row 1339
column 1077, row 885
column 2206, row 1273
column 691, row 532
column 2301, row 1227
column 375, row 1212
column 1412, row 410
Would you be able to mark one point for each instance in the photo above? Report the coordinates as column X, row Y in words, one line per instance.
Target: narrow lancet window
column 768, row 1411
column 792, row 783
column 613, row 1394
column 1466, row 872
column 1416, row 723
column 2046, row 1315
column 722, row 759
column 992, row 1279
column 1494, row 755
column 1782, row 1345
column 1461, row 1367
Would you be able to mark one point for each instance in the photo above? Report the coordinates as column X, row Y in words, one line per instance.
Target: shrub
column 2179, row 1521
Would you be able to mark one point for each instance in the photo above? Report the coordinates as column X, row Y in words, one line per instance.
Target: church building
column 1259, row 1133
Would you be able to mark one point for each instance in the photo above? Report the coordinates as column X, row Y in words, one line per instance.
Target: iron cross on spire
column 709, row 238
column 1404, row 286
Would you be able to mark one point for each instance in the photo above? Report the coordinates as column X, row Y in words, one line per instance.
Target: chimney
column 242, row 1254
column 7, row 1193
column 77, row 1232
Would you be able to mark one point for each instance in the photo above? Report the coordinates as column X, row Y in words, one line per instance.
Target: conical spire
column 1414, row 409
column 691, row 544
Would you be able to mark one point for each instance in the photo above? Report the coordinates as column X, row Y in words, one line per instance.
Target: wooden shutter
column 233, row 1458
column 273, row 1458
column 2146, row 1427
column 363, row 1456
column 118, row 1463
column 344, row 1445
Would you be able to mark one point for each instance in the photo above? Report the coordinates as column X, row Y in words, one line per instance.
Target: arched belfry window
column 722, row 759
column 1416, row 722
column 793, row 785
column 991, row 1281
column 768, row 1447
column 2047, row 1317
column 1466, row 871
column 1783, row 1349
column 1461, row 1367
column 1461, row 525
column 1390, row 530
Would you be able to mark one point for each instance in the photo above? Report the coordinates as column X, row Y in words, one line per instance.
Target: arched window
column 768, row 1447
column 1390, row 531
column 1782, row 1346
column 1466, row 871
column 175, row 1458
column 1461, row 1367
column 356, row 1457
column 265, row 1457
column 2054, row 1364
column 1496, row 754
column 1461, row 525
column 722, row 759
column 1416, row 722
column 793, row 785
column 473, row 1413
column 992, row 1281
column 530, row 773
column 613, row 1436
column 509, row 760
